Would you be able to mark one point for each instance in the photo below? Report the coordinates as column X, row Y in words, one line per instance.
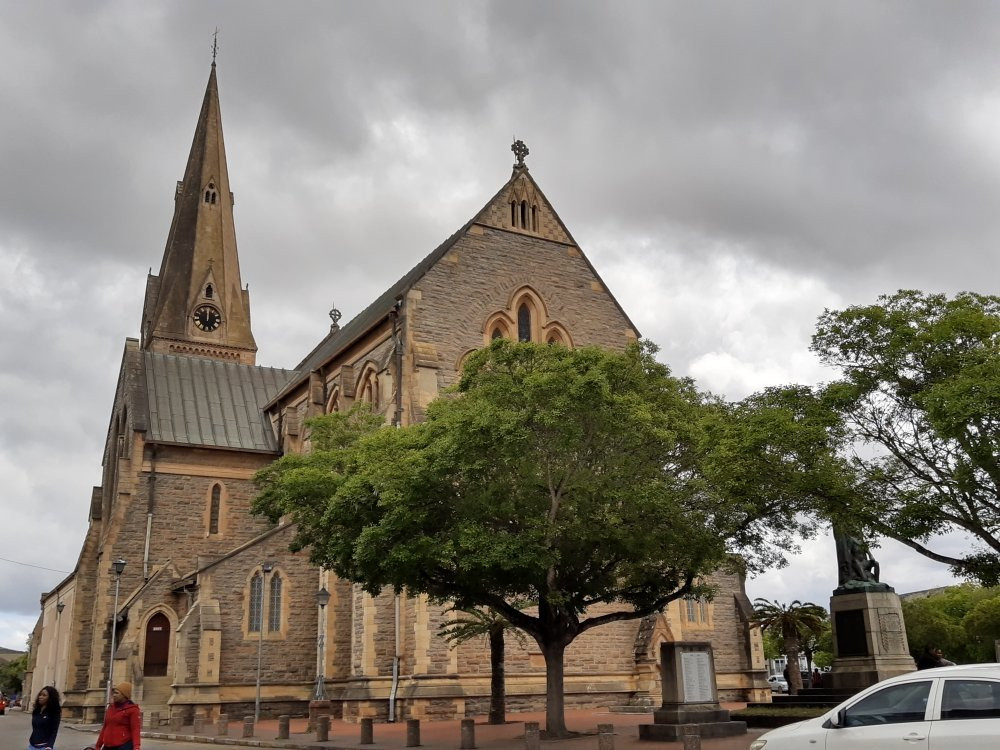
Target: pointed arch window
column 524, row 214
column 209, row 291
column 256, row 603
column 534, row 218
column 211, row 194
column 513, row 214
column 274, row 605
column 497, row 333
column 524, row 322
column 369, row 389
column 213, row 509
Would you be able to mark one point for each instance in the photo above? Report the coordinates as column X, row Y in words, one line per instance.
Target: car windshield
column 891, row 705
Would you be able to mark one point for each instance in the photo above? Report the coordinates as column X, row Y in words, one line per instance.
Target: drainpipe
column 395, row 664
column 397, row 421
column 397, row 355
column 150, row 505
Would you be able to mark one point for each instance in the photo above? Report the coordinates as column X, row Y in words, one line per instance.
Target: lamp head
column 60, row 607
column 267, row 567
column 118, row 566
column 322, row 597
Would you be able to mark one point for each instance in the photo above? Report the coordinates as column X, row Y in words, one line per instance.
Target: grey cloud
column 829, row 142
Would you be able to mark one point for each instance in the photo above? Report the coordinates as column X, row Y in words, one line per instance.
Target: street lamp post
column 322, row 598
column 59, row 610
column 266, row 567
column 118, row 566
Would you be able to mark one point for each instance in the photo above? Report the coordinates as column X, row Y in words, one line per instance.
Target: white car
column 948, row 708
column 778, row 683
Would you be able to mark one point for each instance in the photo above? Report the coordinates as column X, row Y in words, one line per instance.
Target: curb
column 233, row 741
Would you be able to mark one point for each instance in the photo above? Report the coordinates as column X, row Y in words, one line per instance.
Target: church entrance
column 157, row 646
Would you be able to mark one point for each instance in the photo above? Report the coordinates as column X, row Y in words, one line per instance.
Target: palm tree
column 794, row 622
column 476, row 623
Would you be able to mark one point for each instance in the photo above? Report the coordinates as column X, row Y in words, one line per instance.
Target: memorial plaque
column 696, row 669
column 850, row 627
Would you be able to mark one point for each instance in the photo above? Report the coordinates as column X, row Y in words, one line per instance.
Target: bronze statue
column 856, row 568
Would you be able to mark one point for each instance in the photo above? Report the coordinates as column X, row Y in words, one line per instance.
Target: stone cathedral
column 208, row 589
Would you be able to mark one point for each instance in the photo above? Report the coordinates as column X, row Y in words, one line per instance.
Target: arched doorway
column 157, row 646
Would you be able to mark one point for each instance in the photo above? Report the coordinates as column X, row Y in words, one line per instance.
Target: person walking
column 122, row 725
column 45, row 716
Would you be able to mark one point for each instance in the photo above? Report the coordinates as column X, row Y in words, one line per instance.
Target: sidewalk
column 445, row 735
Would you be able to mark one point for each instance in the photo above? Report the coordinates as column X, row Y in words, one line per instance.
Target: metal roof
column 207, row 402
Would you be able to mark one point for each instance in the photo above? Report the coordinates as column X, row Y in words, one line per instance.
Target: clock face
column 207, row 318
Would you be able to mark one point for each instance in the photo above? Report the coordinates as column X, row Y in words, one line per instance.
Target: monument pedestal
column 690, row 697
column 869, row 640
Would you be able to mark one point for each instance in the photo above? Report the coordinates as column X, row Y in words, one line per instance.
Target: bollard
column 532, row 740
column 222, row 725
column 176, row 722
column 413, row 732
column 283, row 726
column 198, row 725
column 468, row 734
column 248, row 726
column 323, row 728
column 692, row 739
column 367, row 732
column 605, row 737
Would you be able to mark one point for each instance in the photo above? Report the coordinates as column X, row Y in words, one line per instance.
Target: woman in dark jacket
column 122, row 725
column 45, row 719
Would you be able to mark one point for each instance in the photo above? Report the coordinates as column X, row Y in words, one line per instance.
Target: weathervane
column 335, row 316
column 215, row 44
column 520, row 151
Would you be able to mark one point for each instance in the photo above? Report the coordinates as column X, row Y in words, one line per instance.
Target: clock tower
column 196, row 306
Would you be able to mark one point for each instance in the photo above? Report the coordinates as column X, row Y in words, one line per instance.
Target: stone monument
column 869, row 640
column 690, row 697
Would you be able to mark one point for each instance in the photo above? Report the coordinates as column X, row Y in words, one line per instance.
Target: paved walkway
column 445, row 735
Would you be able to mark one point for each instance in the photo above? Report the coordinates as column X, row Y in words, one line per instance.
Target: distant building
column 208, row 588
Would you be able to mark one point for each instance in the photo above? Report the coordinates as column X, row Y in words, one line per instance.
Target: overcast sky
column 731, row 169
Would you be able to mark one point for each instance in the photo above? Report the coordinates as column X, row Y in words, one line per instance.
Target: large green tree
column 589, row 482
column 921, row 387
column 11, row 674
column 963, row 621
column 795, row 623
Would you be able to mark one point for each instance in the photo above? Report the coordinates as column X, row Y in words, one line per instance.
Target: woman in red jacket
column 121, row 721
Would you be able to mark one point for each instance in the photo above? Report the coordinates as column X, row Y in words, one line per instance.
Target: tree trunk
column 794, row 670
column 555, row 717
column 498, row 686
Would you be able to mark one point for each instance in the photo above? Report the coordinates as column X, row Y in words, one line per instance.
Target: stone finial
column 520, row 151
column 215, row 45
column 335, row 316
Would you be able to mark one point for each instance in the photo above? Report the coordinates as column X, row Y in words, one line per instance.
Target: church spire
column 196, row 305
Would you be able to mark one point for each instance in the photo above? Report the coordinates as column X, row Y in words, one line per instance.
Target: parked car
column 778, row 683
column 948, row 707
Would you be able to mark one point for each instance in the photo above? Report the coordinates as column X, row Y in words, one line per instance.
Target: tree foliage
column 795, row 623
column 921, row 386
column 589, row 482
column 963, row 621
column 11, row 674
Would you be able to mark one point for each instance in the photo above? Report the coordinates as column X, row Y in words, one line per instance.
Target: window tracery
column 526, row 318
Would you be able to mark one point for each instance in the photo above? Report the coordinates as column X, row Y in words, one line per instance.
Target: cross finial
column 335, row 316
column 520, row 151
column 215, row 44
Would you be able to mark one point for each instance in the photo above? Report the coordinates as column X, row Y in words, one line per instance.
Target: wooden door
column 157, row 646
